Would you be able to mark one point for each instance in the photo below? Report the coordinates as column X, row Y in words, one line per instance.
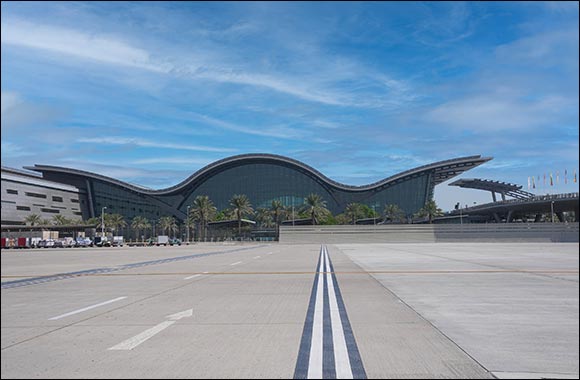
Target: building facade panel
column 24, row 195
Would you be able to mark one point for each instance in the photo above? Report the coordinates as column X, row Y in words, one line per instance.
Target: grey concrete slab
column 512, row 321
column 394, row 341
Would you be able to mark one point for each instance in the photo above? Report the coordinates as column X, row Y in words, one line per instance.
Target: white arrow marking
column 133, row 342
column 181, row 314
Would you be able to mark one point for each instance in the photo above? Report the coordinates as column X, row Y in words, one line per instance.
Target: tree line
column 202, row 211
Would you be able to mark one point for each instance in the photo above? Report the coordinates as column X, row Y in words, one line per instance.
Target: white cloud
column 212, row 66
column 9, row 100
column 75, row 43
column 494, row 113
column 118, row 140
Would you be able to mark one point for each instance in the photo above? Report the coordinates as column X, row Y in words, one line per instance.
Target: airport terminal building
column 261, row 177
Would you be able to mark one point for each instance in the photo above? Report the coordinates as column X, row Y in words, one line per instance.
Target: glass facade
column 262, row 178
column 261, row 183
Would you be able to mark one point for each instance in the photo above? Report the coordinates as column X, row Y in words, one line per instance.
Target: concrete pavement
column 240, row 311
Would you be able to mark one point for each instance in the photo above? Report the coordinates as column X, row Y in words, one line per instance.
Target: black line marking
column 356, row 364
column 328, row 365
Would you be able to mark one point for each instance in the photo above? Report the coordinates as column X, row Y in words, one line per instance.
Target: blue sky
column 150, row 92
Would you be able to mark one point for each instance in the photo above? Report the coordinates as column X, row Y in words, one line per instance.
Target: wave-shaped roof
column 442, row 171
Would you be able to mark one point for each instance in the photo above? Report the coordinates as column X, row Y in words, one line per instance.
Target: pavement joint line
column 461, row 271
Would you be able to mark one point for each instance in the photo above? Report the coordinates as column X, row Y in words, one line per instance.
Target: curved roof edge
column 446, row 169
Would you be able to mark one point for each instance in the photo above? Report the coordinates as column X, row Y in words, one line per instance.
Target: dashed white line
column 190, row 277
column 86, row 308
column 257, row 257
column 237, row 262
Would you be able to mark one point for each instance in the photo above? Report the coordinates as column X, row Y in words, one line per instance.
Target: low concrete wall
column 418, row 233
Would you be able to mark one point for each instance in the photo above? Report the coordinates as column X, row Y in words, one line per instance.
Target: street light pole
column 552, row 209
column 103, row 221
column 374, row 216
column 187, row 220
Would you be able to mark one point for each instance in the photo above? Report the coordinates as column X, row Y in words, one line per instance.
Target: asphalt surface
column 291, row 311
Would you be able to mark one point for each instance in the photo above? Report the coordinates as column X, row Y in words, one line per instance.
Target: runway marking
column 86, row 308
column 190, row 277
column 328, row 349
column 133, row 342
column 99, row 271
column 237, row 262
column 257, row 257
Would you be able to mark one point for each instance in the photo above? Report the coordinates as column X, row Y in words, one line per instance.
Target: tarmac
column 432, row 310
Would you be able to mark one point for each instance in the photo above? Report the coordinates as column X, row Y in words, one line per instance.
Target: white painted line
column 86, row 308
column 315, row 360
column 133, row 342
column 205, row 272
column 341, row 359
column 237, row 262
column 269, row 253
column 257, row 257
column 190, row 277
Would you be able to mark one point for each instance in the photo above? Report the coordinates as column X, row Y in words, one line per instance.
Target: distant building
column 25, row 193
column 261, row 177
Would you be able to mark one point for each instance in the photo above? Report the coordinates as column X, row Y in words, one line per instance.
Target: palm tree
column 316, row 207
column 264, row 218
column 140, row 223
column 431, row 210
column 278, row 210
column 241, row 206
column 203, row 212
column 168, row 223
column 353, row 211
column 32, row 219
column 393, row 213
column 60, row 220
column 114, row 222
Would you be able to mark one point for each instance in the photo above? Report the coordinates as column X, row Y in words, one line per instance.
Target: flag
column 565, row 176
column 575, row 178
column 551, row 180
column 557, row 177
column 544, row 179
column 533, row 183
column 529, row 183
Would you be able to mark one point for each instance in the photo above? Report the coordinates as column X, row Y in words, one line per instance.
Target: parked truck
column 162, row 240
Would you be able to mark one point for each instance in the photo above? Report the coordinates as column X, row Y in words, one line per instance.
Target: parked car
column 175, row 241
column 84, row 242
column 118, row 241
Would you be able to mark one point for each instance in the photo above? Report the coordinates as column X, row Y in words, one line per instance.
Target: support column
column 493, row 196
column 496, row 217
column 509, row 216
column 538, row 218
column 502, row 196
column 560, row 216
